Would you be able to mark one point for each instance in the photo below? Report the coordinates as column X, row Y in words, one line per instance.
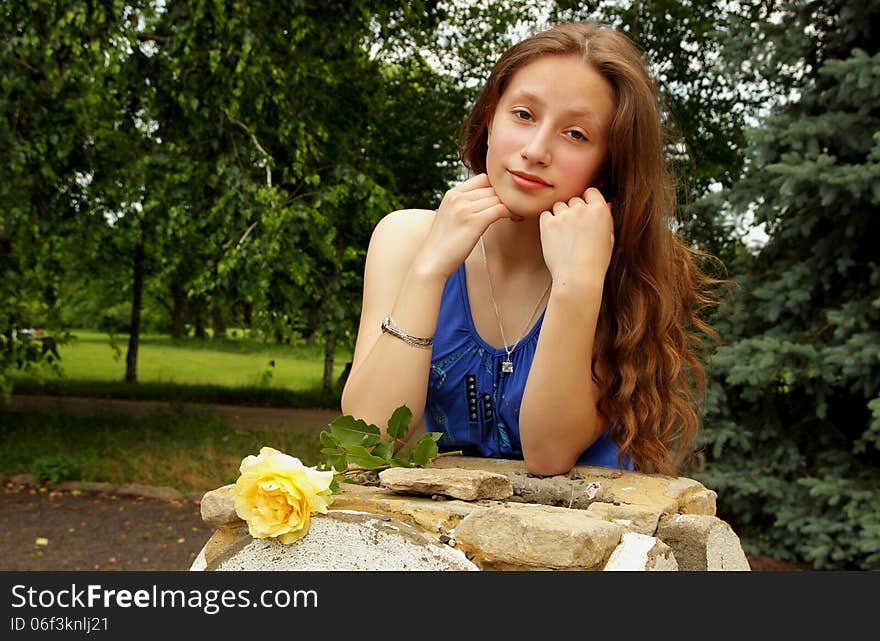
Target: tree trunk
column 247, row 311
column 312, row 338
column 134, row 330
column 329, row 351
column 198, row 318
column 178, row 310
column 330, row 345
column 217, row 322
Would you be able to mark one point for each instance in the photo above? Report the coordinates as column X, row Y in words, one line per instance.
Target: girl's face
column 548, row 136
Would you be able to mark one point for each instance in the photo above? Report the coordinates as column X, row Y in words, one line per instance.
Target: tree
column 274, row 172
column 57, row 58
column 793, row 423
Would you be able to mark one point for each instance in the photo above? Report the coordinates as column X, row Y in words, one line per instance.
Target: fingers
column 477, row 194
column 496, row 212
column 475, row 182
column 484, row 203
column 475, row 189
column 577, row 210
column 547, row 222
column 592, row 195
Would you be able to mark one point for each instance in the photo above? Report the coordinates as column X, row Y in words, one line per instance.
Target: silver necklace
column 507, row 365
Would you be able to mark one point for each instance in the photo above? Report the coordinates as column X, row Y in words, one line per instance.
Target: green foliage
column 352, row 445
column 792, row 422
column 54, row 468
column 245, row 150
column 241, row 149
column 54, row 109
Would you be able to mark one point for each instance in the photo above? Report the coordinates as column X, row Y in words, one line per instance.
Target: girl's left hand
column 577, row 238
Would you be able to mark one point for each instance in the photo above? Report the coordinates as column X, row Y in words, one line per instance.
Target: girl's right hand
column 465, row 212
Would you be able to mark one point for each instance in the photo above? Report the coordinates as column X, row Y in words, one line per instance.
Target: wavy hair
column 650, row 331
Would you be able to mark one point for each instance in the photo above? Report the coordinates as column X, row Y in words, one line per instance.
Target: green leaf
column 398, row 424
column 426, row 451
column 384, row 450
column 335, row 458
column 351, row 431
column 398, row 462
column 358, row 455
column 328, row 439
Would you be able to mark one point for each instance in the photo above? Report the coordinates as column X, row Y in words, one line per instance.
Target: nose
column 536, row 148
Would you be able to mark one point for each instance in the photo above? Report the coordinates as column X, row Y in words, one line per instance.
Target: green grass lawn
column 189, row 451
column 225, row 370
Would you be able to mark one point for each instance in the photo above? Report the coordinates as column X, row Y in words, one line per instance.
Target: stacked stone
column 472, row 513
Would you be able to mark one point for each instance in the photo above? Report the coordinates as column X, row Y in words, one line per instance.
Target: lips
column 528, row 181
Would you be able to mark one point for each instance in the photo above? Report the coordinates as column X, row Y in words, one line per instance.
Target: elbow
column 546, row 456
column 351, row 407
column 547, row 466
column 373, row 411
column 555, row 452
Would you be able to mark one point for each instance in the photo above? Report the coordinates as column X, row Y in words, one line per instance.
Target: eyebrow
column 575, row 111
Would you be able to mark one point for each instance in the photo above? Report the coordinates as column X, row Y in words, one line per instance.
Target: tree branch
column 256, row 143
column 246, row 234
column 296, row 197
column 154, row 37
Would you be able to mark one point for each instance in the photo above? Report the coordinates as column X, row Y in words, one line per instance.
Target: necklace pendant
column 506, row 367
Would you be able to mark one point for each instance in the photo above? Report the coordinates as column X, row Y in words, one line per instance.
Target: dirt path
column 237, row 416
column 54, row 530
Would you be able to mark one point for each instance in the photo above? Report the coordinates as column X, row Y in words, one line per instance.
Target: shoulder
column 401, row 232
column 407, row 222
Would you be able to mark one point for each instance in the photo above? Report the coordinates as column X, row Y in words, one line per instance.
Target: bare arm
column 411, row 255
column 386, row 372
column 559, row 417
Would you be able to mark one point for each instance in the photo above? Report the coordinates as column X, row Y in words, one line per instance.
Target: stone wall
column 467, row 513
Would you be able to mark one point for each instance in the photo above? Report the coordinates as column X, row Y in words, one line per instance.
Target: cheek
column 502, row 141
column 578, row 172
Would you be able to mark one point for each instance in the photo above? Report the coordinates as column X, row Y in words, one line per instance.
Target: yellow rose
column 276, row 494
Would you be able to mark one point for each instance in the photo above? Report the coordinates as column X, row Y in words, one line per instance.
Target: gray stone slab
column 341, row 540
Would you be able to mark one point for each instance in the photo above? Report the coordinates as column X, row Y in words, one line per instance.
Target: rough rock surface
column 340, row 540
column 468, row 485
column 590, row 519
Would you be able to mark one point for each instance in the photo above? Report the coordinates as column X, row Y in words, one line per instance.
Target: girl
column 544, row 311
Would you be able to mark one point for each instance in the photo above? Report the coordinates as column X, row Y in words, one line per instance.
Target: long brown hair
column 648, row 339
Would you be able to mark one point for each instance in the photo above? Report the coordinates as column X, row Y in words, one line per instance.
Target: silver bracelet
column 390, row 327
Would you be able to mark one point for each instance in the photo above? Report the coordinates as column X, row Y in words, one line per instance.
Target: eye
column 522, row 114
column 577, row 135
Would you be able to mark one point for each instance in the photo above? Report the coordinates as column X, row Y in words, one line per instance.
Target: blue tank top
column 470, row 401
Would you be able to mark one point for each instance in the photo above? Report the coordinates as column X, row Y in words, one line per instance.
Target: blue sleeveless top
column 470, row 401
